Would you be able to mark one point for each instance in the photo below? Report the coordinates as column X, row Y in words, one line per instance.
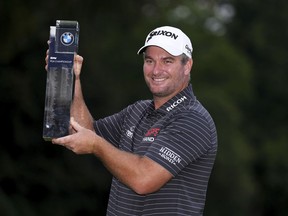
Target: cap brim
column 164, row 46
column 141, row 50
column 168, row 49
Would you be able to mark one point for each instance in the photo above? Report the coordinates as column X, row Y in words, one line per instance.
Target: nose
column 157, row 68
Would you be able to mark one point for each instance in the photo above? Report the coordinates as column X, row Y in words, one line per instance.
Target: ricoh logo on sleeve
column 170, row 155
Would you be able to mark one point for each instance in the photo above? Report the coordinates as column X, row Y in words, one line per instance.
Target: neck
column 160, row 100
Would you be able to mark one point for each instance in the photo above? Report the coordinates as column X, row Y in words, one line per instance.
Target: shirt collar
column 180, row 100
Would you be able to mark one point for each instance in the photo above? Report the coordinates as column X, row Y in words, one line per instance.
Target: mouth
column 158, row 80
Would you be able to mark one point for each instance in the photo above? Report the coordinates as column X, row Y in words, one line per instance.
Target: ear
column 188, row 67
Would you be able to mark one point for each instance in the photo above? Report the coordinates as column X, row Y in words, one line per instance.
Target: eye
column 148, row 61
column 168, row 61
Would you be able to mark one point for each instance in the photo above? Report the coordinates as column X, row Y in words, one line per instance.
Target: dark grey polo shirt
column 181, row 137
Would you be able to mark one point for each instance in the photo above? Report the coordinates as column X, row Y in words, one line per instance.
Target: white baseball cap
column 169, row 38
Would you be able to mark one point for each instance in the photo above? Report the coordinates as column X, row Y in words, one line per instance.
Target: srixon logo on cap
column 164, row 33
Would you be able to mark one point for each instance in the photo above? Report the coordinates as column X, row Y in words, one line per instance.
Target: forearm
column 122, row 165
column 139, row 173
column 79, row 109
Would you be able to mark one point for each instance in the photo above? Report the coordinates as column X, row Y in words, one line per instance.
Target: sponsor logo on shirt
column 130, row 131
column 151, row 134
column 170, row 155
column 176, row 103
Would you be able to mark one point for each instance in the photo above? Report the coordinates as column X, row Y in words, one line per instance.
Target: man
column 161, row 151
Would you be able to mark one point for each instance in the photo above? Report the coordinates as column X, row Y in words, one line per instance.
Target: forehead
column 153, row 51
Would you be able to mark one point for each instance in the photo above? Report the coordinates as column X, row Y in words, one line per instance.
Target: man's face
column 164, row 74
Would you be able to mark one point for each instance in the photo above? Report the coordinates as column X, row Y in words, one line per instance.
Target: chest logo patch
column 151, row 134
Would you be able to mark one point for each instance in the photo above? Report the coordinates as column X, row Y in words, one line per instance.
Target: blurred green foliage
column 239, row 74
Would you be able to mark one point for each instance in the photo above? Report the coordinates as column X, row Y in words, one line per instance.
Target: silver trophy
column 63, row 44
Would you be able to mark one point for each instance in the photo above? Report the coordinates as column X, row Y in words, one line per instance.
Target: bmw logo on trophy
column 67, row 38
column 63, row 44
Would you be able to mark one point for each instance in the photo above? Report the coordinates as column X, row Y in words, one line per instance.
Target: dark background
column 239, row 74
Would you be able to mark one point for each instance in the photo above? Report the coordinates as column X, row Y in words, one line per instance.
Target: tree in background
column 260, row 32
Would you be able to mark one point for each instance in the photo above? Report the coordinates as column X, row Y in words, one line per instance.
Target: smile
column 158, row 79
